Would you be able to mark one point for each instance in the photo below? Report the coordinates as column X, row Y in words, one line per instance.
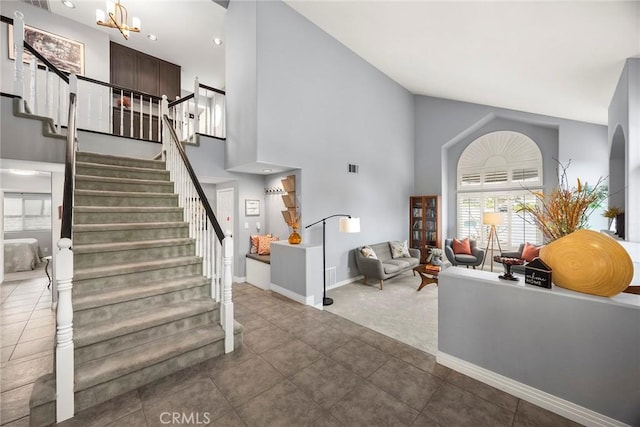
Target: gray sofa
column 385, row 266
column 516, row 254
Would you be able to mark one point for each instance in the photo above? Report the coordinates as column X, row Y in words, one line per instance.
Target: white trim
column 292, row 295
column 345, row 282
column 540, row 398
column 239, row 279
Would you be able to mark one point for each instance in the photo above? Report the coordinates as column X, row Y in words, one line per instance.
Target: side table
column 46, row 268
column 428, row 273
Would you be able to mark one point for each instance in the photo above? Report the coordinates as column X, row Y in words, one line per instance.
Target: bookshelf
column 424, row 224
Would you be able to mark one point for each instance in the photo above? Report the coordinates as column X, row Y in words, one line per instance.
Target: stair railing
column 202, row 112
column 212, row 245
column 43, row 86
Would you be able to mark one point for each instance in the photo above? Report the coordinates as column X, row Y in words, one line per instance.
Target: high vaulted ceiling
column 557, row 58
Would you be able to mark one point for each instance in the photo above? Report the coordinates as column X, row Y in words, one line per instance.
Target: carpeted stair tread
column 127, row 361
column 123, row 246
column 127, row 226
column 120, row 168
column 110, row 159
column 120, row 194
column 118, row 209
column 126, row 324
column 118, row 295
column 116, row 180
column 136, row 267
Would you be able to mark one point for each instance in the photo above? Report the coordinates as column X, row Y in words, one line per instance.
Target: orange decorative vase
column 294, row 238
column 589, row 262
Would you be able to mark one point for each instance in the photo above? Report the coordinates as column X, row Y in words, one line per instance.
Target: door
column 224, row 209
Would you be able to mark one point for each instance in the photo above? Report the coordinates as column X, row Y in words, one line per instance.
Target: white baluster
column 121, row 112
column 18, row 48
column 58, row 122
column 227, row 304
column 32, row 85
column 64, row 334
column 140, row 135
column 47, row 92
column 132, row 99
column 151, row 119
column 196, row 101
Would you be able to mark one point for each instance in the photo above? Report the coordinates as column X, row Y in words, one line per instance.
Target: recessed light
column 267, row 170
column 152, row 37
column 68, row 3
column 217, row 41
column 23, row 172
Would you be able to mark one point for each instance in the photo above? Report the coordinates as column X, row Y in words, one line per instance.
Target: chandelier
column 117, row 18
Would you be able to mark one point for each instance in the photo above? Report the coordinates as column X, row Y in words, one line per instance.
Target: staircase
column 142, row 308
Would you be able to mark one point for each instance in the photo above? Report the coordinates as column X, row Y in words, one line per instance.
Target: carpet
column 398, row 311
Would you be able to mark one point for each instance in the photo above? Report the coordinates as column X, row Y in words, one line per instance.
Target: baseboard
column 239, row 279
column 540, row 398
column 345, row 282
column 291, row 295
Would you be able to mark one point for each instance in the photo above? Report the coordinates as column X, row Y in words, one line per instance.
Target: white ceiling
column 185, row 31
column 558, row 58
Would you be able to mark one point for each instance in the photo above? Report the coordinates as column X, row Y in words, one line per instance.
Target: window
column 492, row 171
column 27, row 212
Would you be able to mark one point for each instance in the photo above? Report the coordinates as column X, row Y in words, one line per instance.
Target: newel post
column 164, row 110
column 18, row 48
column 196, row 115
column 227, row 304
column 64, row 335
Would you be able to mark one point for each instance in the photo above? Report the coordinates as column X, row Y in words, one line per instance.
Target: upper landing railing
column 112, row 109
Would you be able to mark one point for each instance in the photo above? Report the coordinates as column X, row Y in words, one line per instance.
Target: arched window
column 493, row 172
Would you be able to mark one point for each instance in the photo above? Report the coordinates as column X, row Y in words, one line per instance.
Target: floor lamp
column 492, row 219
column 347, row 225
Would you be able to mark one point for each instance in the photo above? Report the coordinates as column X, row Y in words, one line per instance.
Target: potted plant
column 611, row 213
column 436, row 256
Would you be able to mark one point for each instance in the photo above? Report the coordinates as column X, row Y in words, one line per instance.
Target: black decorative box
column 537, row 273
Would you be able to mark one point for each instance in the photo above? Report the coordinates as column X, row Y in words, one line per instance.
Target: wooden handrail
column 181, row 100
column 67, row 198
column 45, row 61
column 120, row 88
column 213, row 89
column 194, row 180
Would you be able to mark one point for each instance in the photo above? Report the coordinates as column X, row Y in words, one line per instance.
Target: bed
column 21, row 254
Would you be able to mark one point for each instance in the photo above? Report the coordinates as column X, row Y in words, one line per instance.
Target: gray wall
column 320, row 107
column 241, row 82
column 581, row 348
column 624, row 116
column 453, row 125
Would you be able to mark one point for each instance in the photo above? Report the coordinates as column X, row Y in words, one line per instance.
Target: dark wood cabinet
column 138, row 71
column 424, row 224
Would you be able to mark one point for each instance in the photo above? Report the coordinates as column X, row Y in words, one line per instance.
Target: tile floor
column 298, row 366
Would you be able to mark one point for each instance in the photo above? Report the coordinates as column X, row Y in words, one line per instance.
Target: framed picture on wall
column 251, row 207
column 66, row 54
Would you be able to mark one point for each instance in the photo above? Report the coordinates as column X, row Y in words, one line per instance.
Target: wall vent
column 42, row 4
column 331, row 276
column 353, row 168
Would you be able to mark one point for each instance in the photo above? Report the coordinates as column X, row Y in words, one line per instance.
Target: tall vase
column 294, row 237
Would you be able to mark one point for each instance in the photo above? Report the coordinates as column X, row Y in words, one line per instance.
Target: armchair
column 473, row 260
column 517, row 254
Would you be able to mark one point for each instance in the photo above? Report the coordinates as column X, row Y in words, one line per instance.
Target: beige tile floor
column 298, row 367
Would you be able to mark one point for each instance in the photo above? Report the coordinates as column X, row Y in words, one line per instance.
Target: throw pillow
column 399, row 250
column 529, row 252
column 367, row 252
column 254, row 243
column 462, row 246
column 264, row 244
